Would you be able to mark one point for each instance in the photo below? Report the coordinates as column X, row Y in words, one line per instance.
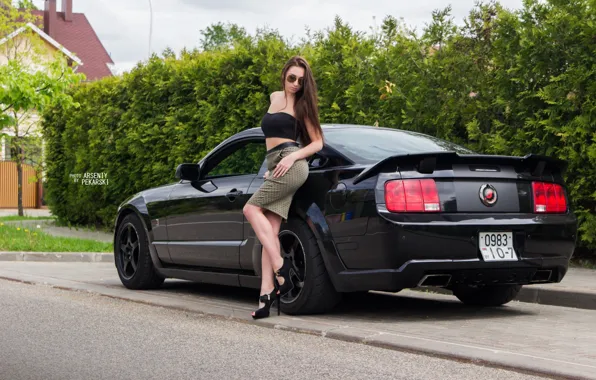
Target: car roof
column 258, row 132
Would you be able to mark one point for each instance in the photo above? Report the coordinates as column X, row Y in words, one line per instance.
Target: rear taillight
column 549, row 198
column 412, row 195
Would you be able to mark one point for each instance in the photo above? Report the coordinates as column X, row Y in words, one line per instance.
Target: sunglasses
column 291, row 78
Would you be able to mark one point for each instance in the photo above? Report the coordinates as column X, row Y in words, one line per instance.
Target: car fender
column 139, row 208
column 315, row 219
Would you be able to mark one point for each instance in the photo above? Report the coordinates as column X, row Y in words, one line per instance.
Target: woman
column 293, row 115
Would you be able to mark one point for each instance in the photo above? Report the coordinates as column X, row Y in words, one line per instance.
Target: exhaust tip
column 434, row 280
column 542, row 275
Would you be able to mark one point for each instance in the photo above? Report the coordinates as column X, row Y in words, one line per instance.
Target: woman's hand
column 266, row 174
column 283, row 166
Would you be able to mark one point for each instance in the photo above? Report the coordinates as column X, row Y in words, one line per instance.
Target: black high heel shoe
column 285, row 272
column 268, row 301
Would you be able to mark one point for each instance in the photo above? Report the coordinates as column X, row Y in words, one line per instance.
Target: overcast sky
column 123, row 25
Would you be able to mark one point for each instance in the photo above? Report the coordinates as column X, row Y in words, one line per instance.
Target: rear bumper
column 397, row 254
column 414, row 273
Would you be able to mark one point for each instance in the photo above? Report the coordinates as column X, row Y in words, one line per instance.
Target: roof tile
column 79, row 37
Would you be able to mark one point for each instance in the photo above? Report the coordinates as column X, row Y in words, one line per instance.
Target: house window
column 3, row 149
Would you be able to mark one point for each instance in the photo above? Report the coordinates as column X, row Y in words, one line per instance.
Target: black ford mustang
column 382, row 209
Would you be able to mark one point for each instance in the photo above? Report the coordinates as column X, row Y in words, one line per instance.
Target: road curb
column 85, row 257
column 567, row 297
column 558, row 297
column 471, row 353
column 554, row 297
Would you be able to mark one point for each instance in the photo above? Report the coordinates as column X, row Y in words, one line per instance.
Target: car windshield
column 370, row 145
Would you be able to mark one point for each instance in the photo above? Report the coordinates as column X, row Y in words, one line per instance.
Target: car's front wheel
column 494, row 295
column 313, row 291
column 131, row 255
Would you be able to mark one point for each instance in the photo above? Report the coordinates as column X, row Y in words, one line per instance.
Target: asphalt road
column 48, row 333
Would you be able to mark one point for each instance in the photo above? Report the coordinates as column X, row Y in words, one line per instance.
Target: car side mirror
column 189, row 172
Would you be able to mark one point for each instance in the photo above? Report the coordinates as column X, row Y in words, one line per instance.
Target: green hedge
column 505, row 83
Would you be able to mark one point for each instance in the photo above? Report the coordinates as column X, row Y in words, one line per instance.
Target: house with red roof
column 71, row 35
column 74, row 32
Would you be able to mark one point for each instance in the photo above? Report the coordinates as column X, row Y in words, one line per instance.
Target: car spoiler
column 427, row 162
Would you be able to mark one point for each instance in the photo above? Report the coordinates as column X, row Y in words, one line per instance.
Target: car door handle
column 233, row 194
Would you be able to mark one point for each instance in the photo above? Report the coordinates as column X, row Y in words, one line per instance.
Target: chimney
column 49, row 18
column 67, row 9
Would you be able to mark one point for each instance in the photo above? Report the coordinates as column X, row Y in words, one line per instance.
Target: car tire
column 317, row 295
column 495, row 295
column 144, row 275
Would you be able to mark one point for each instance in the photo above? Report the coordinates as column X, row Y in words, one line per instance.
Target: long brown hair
column 306, row 101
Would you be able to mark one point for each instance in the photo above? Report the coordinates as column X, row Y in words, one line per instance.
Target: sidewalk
column 578, row 288
column 44, row 211
column 553, row 341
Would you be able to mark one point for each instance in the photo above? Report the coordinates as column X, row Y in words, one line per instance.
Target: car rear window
column 370, row 145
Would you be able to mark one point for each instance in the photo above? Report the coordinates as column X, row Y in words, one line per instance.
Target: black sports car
column 382, row 209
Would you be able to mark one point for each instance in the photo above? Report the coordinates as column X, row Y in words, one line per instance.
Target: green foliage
column 23, row 90
column 19, row 237
column 29, row 79
column 26, row 4
column 221, row 36
column 506, row 82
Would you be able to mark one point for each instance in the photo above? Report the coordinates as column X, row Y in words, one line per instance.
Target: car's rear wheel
column 494, row 295
column 313, row 291
column 131, row 255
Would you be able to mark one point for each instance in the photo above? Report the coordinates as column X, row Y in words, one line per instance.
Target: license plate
column 497, row 246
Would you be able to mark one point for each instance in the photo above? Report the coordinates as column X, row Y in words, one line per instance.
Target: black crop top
column 280, row 124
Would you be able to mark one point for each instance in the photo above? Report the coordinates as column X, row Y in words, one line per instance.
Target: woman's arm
column 316, row 145
column 312, row 148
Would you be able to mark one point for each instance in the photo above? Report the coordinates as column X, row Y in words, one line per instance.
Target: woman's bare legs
column 266, row 228
column 267, row 284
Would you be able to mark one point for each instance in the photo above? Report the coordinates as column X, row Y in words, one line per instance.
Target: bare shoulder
column 275, row 95
column 277, row 101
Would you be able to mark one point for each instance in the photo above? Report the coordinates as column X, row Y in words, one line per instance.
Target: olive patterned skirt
column 275, row 194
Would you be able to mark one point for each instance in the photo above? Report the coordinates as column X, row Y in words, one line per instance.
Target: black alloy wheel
column 132, row 256
column 292, row 248
column 129, row 251
column 313, row 291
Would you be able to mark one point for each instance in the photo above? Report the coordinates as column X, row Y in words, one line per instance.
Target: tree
column 29, row 83
column 26, row 4
column 218, row 36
